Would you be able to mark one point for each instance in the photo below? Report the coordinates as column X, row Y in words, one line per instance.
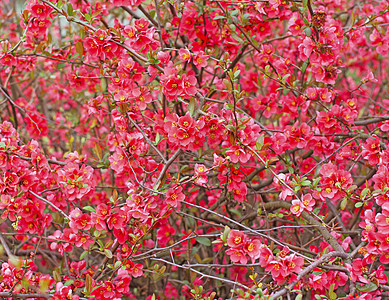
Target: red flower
column 174, row 196
column 200, row 59
column 357, row 270
column 189, row 82
column 371, row 151
column 141, row 24
column 237, row 255
column 79, row 220
column 293, row 263
column 308, row 202
column 236, row 154
column 297, row 207
column 184, row 54
column 117, row 220
column 252, row 248
column 236, row 239
column 40, row 10
column 74, row 181
column 382, row 219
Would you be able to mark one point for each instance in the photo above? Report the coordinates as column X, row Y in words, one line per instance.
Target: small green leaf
column 306, row 183
column 191, row 106
column 88, row 284
column 369, row 287
column 61, row 65
column 79, row 48
column 108, row 253
column 308, row 31
column 56, row 276
column 304, row 66
column 83, row 254
column 157, row 138
column 333, row 296
column 260, row 142
column 70, row 10
column 305, row 5
column 204, row 241
column 285, row 77
column 69, row 282
column 88, row 18
column 343, row 204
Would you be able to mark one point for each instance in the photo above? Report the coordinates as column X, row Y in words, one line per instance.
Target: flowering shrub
column 194, row 149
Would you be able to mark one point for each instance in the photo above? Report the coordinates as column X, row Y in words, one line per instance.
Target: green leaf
column 88, row 284
column 260, row 142
column 225, row 234
column 79, row 48
column 306, row 183
column 304, row 66
column 285, row 77
column 333, row 296
column 369, row 287
column 219, row 17
column 343, row 203
column 308, row 31
column 89, row 208
column 204, row 241
column 358, row 204
column 69, row 282
column 305, row 5
column 56, row 276
column 157, row 139
column 217, row 242
column 364, row 192
column 191, row 106
column 88, row 18
column 70, row 10
column 108, row 253
column 103, row 84
column 61, row 65
column 83, row 254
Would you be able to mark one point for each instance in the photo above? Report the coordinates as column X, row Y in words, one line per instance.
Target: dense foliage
column 208, row 149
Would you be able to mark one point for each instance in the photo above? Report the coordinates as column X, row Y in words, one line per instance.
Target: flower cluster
column 281, row 265
column 184, row 132
column 175, row 85
column 241, row 246
column 76, row 181
column 334, row 181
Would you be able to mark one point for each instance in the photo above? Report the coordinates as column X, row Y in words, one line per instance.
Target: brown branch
column 49, row 203
column 141, row 8
column 370, row 121
column 24, row 296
